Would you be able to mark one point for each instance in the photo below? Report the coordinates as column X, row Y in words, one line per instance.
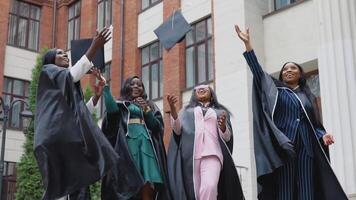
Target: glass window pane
column 15, row 115
column 18, row 88
column 21, row 38
column 145, row 80
column 282, row 3
column 107, row 71
column 100, row 15
column 210, row 60
column 160, row 50
column 189, row 38
column 201, row 64
column 108, row 9
column 70, row 31
column 77, row 9
column 145, row 4
column 71, row 12
column 160, row 78
column 26, row 89
column 210, row 27
column 35, row 12
column 189, row 67
column 77, row 28
column 7, row 85
column 154, row 1
column 14, row 6
column 154, row 52
column 145, row 58
column 313, row 83
column 33, row 35
column 154, row 78
column 200, row 31
column 12, row 29
column 24, row 9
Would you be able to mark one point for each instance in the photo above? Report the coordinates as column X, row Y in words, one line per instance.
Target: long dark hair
column 49, row 57
column 214, row 103
column 126, row 91
column 302, row 80
column 304, row 87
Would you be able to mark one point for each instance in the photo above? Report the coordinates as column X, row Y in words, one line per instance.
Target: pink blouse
column 206, row 134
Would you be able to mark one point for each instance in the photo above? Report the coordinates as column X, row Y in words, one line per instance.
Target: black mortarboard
column 80, row 47
column 173, row 30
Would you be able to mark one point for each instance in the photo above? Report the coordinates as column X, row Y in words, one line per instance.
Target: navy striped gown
column 295, row 179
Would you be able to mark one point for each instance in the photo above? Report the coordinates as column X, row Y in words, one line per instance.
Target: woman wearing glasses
column 200, row 165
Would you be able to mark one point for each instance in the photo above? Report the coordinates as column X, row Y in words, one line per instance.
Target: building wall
column 19, row 63
column 291, row 35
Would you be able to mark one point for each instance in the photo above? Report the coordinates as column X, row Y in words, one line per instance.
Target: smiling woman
column 63, row 120
column 200, row 165
column 290, row 143
column 134, row 126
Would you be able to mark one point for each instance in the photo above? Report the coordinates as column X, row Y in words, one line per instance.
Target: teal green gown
column 138, row 140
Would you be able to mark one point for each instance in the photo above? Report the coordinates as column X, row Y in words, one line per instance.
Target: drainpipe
column 122, row 37
column 54, row 24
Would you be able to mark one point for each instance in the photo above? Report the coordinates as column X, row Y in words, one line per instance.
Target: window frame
column 104, row 15
column 292, row 3
column 73, row 19
column 28, row 19
column 12, row 96
column 195, row 46
column 149, row 64
column 150, row 4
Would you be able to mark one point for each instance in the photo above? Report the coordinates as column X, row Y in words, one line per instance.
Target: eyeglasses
column 202, row 87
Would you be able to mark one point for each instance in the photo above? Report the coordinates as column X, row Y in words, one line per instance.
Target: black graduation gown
column 273, row 149
column 70, row 149
column 180, row 163
column 125, row 181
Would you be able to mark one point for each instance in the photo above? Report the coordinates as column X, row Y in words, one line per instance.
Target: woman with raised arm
column 289, row 140
column 200, row 165
column 70, row 149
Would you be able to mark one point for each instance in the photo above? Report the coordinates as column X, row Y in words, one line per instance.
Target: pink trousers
column 206, row 177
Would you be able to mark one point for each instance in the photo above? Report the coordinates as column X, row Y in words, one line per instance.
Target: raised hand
column 222, row 122
column 244, row 36
column 98, row 41
column 101, row 38
column 98, row 88
column 328, row 139
column 143, row 103
column 172, row 100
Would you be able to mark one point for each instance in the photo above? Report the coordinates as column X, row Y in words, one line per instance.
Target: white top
column 80, row 68
column 78, row 71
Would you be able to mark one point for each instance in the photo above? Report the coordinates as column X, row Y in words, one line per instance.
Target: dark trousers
column 295, row 179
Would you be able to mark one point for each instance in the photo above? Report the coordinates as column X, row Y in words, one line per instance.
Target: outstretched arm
column 84, row 64
column 249, row 54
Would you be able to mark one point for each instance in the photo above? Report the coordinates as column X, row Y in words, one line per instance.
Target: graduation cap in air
column 80, row 47
column 173, row 30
